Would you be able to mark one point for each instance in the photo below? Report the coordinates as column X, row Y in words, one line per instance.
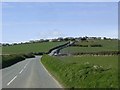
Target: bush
column 30, row 55
column 39, row 53
column 96, row 45
column 98, row 53
column 77, row 45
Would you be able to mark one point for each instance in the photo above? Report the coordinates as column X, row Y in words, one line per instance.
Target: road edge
column 51, row 75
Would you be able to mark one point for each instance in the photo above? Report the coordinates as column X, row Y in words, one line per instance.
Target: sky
column 24, row 21
column 60, row 0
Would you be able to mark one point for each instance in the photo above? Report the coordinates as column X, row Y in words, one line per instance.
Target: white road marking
column 16, row 75
column 25, row 66
column 12, row 80
column 51, row 75
column 21, row 71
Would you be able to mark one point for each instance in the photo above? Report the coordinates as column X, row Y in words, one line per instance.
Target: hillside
column 27, row 48
column 92, row 46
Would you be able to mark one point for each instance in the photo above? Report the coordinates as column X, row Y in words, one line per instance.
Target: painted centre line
column 12, row 80
column 16, row 75
column 25, row 66
column 21, row 71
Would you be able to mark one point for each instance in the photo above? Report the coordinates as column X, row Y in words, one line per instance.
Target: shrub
column 96, row 45
column 29, row 55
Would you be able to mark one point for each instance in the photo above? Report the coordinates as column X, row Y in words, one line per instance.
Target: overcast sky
column 29, row 21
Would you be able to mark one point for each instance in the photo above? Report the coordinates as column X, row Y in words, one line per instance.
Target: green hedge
column 8, row 60
column 94, row 45
column 98, row 53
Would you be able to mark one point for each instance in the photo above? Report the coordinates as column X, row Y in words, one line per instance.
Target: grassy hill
column 85, row 71
column 106, row 45
column 27, row 48
column 16, row 53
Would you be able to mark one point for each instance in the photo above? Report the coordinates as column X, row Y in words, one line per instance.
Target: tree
column 83, row 39
column 104, row 38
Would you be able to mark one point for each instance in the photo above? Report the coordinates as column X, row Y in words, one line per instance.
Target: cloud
column 7, row 5
column 51, row 34
column 56, row 33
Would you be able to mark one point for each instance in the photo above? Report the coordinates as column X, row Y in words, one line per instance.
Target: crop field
column 84, row 71
column 106, row 45
column 27, row 48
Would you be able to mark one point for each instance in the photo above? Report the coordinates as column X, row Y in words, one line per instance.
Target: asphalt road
column 29, row 73
column 54, row 52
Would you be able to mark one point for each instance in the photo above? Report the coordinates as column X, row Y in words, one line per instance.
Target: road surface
column 29, row 73
column 54, row 52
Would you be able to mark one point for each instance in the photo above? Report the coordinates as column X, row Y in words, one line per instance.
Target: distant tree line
column 61, row 39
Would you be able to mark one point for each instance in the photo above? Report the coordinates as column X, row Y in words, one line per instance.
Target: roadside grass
column 83, row 72
column 28, row 48
column 107, row 45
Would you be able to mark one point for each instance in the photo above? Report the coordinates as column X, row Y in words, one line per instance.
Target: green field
column 107, row 45
column 84, row 71
column 16, row 53
column 27, row 48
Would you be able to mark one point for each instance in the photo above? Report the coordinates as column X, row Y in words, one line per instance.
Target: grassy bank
column 8, row 60
column 83, row 72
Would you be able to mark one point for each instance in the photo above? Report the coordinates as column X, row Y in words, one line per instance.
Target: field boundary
column 102, row 53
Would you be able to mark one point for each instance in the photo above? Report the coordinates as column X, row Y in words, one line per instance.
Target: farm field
column 84, row 71
column 107, row 45
column 28, row 48
column 13, row 54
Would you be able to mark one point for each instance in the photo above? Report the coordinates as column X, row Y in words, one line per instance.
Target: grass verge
column 72, row 73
